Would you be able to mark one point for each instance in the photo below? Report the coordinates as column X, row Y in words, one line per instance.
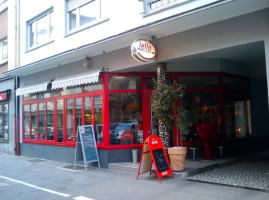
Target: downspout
column 16, row 84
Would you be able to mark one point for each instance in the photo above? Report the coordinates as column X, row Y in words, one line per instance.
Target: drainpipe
column 16, row 84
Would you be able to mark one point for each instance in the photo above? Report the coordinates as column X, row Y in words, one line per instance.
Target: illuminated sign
column 143, row 50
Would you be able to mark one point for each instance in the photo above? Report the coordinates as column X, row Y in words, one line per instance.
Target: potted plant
column 166, row 110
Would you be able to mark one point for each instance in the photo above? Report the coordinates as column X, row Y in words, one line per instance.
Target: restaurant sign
column 4, row 96
column 143, row 50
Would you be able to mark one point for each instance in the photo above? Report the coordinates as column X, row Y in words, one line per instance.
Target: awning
column 27, row 89
column 77, row 79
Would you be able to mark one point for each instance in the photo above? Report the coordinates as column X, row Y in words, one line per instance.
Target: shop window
column 93, row 86
column 98, row 118
column 33, row 115
column 82, row 13
column 60, row 123
column 3, row 122
column 41, row 121
column 26, row 120
column 29, row 96
column 78, row 113
column 200, row 107
column 71, row 90
column 150, row 84
column 125, row 117
column 124, row 83
column 199, row 81
column 40, row 29
column 50, row 121
column 47, row 94
column 87, row 111
column 3, row 51
column 69, row 119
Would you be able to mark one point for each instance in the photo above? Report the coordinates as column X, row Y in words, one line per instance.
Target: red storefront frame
column 145, row 93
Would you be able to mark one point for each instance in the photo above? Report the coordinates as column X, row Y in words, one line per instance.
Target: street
column 23, row 178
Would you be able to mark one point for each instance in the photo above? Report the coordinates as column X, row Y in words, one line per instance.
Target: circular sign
column 143, row 50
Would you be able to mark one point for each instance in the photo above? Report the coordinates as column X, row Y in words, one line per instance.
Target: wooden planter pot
column 177, row 157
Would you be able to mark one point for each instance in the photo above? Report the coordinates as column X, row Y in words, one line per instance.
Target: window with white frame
column 40, row 29
column 3, row 50
column 81, row 13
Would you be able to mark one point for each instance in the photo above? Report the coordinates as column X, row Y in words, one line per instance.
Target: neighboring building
column 76, row 68
column 7, row 61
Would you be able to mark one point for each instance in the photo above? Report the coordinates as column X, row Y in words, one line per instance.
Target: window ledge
column 97, row 22
column 38, row 46
column 3, row 63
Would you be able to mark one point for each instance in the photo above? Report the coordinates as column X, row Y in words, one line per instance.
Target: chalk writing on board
column 160, row 160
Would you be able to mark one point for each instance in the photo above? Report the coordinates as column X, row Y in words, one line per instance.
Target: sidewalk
column 251, row 172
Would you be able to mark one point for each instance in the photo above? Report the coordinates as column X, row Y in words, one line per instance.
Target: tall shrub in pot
column 165, row 98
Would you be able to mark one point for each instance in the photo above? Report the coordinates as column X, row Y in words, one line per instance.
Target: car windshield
column 122, row 127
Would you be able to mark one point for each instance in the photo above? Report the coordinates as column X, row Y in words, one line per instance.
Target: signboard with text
column 153, row 152
column 86, row 139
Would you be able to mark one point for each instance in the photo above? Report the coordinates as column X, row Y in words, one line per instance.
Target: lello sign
column 143, row 50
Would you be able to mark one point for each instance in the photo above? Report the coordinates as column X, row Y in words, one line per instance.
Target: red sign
column 153, row 152
column 3, row 96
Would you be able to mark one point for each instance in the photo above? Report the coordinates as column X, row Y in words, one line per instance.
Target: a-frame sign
column 153, row 152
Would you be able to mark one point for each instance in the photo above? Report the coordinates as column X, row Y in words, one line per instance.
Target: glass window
column 3, row 122
column 3, row 51
column 87, row 111
column 47, row 94
column 199, row 81
column 69, row 119
column 150, row 84
column 78, row 113
column 200, row 107
column 93, row 86
column 34, row 121
column 71, row 90
column 81, row 14
column 125, row 112
column 41, row 121
column 60, row 123
column 124, row 82
column 98, row 118
column 41, row 29
column 26, row 120
column 29, row 96
column 50, row 121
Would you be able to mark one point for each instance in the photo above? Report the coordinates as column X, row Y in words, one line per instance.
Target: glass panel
column 5, row 113
column 26, row 121
column 50, row 121
column 29, row 96
column 48, row 94
column 88, row 13
column 34, row 121
column 149, row 81
column 59, row 121
column 69, row 119
column 72, row 19
column 94, row 86
column 98, row 118
column 51, row 15
column 199, row 81
column 124, row 83
column 125, row 112
column 1, row 122
column 41, row 121
column 32, row 34
column 237, row 107
column 4, row 50
column 42, row 30
column 71, row 90
column 200, row 107
column 87, row 111
column 78, row 106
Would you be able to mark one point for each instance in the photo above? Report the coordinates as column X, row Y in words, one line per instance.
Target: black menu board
column 160, row 160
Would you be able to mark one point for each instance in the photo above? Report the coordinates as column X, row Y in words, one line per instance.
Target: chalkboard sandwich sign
column 153, row 152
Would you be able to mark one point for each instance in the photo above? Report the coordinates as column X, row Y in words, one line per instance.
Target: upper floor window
column 151, row 5
column 3, row 50
column 41, row 29
column 81, row 13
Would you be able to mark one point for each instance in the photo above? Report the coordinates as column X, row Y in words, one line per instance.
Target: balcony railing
column 154, row 5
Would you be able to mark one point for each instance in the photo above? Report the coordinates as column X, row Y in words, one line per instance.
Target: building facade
column 7, row 83
column 75, row 68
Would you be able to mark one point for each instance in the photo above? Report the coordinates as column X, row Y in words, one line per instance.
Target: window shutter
column 73, row 4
